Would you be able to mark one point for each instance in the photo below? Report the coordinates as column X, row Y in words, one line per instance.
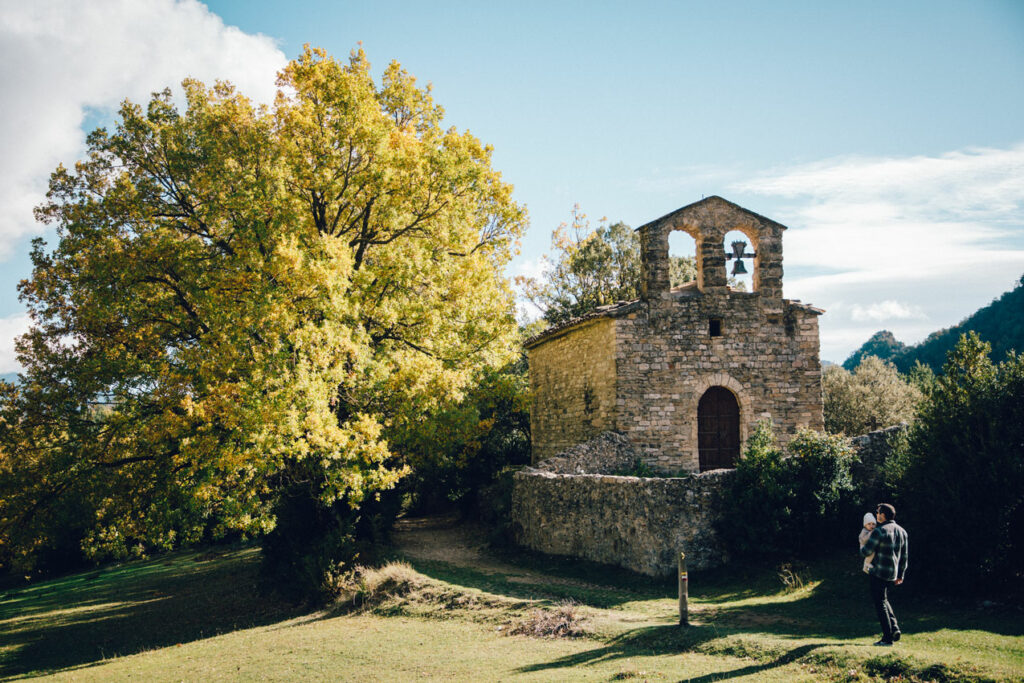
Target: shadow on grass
column 520, row 587
column 600, row 585
column 80, row 620
column 661, row 640
column 787, row 658
column 837, row 606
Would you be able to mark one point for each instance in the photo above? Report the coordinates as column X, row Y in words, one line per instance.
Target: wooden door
column 718, row 429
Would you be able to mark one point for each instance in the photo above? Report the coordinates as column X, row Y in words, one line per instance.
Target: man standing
column 889, row 544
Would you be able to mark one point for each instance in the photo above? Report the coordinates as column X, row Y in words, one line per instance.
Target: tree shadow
column 787, row 658
column 529, row 586
column 835, row 605
column 662, row 640
column 839, row 607
column 80, row 620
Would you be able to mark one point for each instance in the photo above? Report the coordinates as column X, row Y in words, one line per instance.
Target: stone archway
column 752, row 272
column 718, row 429
column 720, row 380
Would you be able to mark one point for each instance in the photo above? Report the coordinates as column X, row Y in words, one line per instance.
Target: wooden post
column 684, row 591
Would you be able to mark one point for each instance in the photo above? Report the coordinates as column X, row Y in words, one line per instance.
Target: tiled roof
column 609, row 311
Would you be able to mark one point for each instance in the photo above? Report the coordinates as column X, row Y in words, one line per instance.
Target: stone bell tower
column 707, row 222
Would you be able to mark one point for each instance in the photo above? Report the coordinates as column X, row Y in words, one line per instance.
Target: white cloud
column 534, row 268
column 900, row 240
column 62, row 58
column 903, row 218
column 11, row 327
column 528, row 268
column 980, row 184
column 886, row 310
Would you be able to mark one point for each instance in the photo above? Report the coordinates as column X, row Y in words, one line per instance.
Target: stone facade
column 578, row 400
column 641, row 368
column 631, row 522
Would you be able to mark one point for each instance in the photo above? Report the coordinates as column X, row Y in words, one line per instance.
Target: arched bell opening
column 682, row 254
column 718, row 429
column 740, row 251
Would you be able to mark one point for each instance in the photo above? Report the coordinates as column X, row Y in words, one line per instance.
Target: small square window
column 715, row 327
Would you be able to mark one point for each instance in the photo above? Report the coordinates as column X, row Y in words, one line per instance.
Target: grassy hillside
column 195, row 616
column 1001, row 324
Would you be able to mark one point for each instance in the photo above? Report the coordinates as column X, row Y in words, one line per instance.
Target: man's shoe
column 883, row 643
column 896, row 636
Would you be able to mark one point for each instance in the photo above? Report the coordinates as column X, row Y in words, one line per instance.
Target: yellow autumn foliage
column 236, row 288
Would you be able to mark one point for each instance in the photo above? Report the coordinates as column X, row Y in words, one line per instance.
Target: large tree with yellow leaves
column 244, row 296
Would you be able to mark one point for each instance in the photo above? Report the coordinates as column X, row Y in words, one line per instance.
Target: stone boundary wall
column 873, row 449
column 636, row 523
column 641, row 523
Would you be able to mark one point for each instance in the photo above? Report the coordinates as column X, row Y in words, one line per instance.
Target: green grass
column 197, row 616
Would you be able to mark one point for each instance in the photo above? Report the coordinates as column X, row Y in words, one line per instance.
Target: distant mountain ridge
column 1001, row 324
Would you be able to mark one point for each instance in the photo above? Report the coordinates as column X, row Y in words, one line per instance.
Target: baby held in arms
column 869, row 525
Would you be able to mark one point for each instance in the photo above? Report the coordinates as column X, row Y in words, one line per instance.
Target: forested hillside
column 882, row 345
column 1001, row 324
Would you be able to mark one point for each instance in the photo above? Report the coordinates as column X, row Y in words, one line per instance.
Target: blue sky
column 889, row 137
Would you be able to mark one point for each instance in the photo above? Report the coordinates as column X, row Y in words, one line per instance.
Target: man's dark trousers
column 886, row 618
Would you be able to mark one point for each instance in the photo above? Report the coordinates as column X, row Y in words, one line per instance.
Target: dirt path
column 446, row 538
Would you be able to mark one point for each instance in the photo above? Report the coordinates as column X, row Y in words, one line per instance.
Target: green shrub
column 312, row 542
column 822, row 487
column 756, row 506
column 872, row 397
column 958, row 480
column 638, row 469
column 788, row 505
column 460, row 449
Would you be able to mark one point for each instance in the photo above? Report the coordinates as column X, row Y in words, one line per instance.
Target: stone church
column 684, row 373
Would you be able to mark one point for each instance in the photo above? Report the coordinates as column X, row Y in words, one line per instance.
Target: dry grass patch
column 366, row 587
column 565, row 621
column 397, row 588
column 630, row 674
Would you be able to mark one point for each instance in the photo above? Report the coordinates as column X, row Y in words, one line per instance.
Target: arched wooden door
column 718, row 429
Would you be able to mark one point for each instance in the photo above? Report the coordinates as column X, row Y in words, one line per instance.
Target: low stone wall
column 873, row 449
column 632, row 522
column 641, row 523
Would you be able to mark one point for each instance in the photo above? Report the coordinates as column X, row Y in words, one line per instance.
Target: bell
column 738, row 268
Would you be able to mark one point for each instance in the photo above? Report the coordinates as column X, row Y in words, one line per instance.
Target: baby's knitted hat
column 869, row 518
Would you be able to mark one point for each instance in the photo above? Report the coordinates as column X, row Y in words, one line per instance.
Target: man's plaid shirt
column 889, row 544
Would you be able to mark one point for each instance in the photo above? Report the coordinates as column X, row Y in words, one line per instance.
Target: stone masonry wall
column 566, row 507
column 606, row 453
column 636, row 523
column 572, row 378
column 666, row 360
column 873, row 449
